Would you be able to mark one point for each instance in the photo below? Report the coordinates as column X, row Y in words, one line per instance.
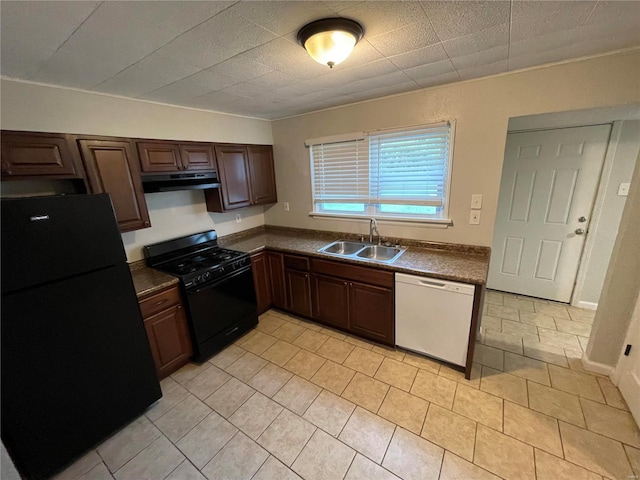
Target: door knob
column 579, row 231
column 582, row 219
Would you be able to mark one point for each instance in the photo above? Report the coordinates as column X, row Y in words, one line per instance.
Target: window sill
column 419, row 222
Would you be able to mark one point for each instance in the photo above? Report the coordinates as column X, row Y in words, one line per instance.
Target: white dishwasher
column 434, row 317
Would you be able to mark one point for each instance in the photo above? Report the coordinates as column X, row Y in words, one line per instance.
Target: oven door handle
column 207, row 286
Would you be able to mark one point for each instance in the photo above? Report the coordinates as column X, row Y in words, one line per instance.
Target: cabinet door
column 159, row 156
column 39, row 154
column 169, row 339
column 112, row 167
column 233, row 169
column 298, row 292
column 331, row 300
column 276, row 277
column 371, row 312
column 197, row 156
column 261, row 281
column 263, row 177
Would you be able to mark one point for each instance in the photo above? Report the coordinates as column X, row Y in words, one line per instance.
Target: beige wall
column 621, row 284
column 481, row 108
column 49, row 109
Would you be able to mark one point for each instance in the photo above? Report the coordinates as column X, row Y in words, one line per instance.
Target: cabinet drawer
column 159, row 301
column 368, row 275
column 296, row 262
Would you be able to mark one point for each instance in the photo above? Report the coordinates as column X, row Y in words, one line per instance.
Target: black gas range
column 218, row 287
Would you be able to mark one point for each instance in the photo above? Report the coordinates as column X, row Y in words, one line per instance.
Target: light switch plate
column 238, row 218
column 623, row 189
column 476, row 201
column 286, row 206
column 474, row 217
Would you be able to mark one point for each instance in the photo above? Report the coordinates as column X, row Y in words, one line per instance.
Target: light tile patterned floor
column 294, row 400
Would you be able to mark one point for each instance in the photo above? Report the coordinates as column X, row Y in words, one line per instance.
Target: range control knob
column 205, row 276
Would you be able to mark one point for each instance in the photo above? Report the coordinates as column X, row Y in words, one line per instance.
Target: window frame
column 372, row 210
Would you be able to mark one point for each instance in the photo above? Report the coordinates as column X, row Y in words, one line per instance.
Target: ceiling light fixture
column 331, row 40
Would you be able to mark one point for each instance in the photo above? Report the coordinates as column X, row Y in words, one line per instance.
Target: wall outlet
column 238, row 218
column 623, row 189
column 476, row 201
column 474, row 217
column 286, row 206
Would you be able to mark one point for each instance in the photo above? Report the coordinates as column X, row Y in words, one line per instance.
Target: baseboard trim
column 586, row 305
column 597, row 367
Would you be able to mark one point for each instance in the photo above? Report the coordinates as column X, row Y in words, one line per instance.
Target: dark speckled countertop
column 460, row 263
column 456, row 262
column 148, row 280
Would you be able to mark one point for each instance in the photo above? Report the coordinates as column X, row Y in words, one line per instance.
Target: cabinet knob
column 147, row 223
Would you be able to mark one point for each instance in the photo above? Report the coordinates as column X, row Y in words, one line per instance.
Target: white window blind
column 410, row 167
column 390, row 173
column 341, row 172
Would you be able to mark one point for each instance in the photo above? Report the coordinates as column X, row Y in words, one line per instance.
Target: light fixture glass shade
column 330, row 48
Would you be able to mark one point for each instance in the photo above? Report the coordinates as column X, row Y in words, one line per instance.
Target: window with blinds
column 394, row 173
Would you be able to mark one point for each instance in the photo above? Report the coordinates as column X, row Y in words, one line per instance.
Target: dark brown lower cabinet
column 261, row 281
column 298, row 292
column 357, row 299
column 369, row 302
column 371, row 312
column 166, row 326
column 331, row 301
column 276, row 278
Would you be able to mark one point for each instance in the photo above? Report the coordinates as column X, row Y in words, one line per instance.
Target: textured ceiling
column 242, row 57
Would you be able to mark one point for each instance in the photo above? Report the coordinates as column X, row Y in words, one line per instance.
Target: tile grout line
column 424, row 420
column 383, row 400
column 305, row 444
column 596, row 433
column 162, row 434
column 386, row 450
column 265, row 460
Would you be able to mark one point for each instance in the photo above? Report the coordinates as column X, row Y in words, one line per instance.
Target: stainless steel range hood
column 171, row 182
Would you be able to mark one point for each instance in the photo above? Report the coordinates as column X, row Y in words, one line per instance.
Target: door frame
column 596, row 207
column 596, row 212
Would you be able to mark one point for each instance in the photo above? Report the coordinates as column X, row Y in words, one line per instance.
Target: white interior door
column 628, row 370
column 549, row 181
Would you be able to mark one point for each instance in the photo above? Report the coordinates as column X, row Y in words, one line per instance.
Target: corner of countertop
column 148, row 280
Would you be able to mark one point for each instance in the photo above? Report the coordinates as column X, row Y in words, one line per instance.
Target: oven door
column 218, row 305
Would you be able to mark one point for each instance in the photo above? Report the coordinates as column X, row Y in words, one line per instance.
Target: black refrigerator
column 76, row 363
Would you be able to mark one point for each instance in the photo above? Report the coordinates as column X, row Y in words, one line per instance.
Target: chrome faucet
column 373, row 228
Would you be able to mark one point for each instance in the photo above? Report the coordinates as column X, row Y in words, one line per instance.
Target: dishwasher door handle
column 432, row 284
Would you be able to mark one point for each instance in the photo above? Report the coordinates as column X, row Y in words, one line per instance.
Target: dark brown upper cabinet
column 164, row 156
column 247, row 177
column 30, row 154
column 263, row 175
column 112, row 167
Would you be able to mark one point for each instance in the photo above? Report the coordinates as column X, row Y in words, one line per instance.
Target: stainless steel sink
column 342, row 248
column 380, row 253
column 363, row 251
